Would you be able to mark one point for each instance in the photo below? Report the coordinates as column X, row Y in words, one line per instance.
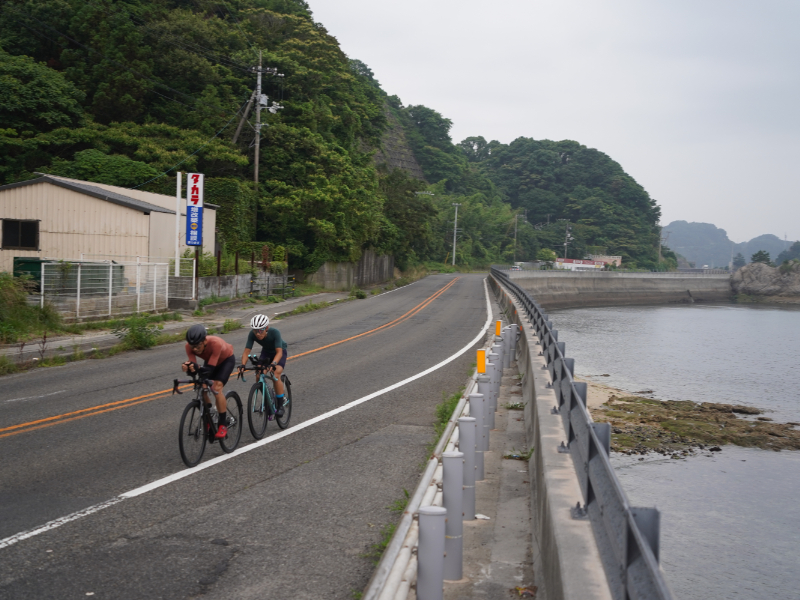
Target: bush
column 137, row 333
column 18, row 319
column 358, row 293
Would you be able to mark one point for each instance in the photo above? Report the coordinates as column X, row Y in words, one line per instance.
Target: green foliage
column 760, row 257
column 739, row 261
column 789, row 266
column 136, row 333
column 93, row 165
column 35, row 98
column 444, row 411
column 231, row 325
column 358, row 293
column 546, row 255
column 18, row 320
column 792, row 253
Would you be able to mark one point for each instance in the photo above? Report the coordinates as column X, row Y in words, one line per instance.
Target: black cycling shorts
column 266, row 359
column 223, row 370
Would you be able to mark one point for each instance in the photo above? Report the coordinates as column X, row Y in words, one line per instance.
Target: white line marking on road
column 34, row 397
column 9, row 541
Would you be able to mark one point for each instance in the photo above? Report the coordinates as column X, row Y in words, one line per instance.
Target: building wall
column 162, row 225
column 370, row 269
column 72, row 223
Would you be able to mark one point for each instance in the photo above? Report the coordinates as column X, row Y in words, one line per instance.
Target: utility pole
column 244, row 117
column 455, row 230
column 261, row 101
column 516, row 219
column 567, row 240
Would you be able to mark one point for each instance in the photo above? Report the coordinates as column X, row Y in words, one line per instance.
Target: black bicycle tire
column 231, row 441
column 199, row 435
column 283, row 422
column 254, row 430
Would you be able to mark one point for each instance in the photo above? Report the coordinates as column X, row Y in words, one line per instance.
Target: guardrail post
column 497, row 378
column 78, row 296
column 485, row 388
column 466, row 444
column 430, row 555
column 514, row 338
column 507, row 347
column 477, row 409
column 453, row 496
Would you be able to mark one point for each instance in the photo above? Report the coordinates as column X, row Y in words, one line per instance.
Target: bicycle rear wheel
column 234, row 412
column 192, row 434
column 283, row 422
column 257, row 410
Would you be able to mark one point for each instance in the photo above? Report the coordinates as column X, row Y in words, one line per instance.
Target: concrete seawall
column 576, row 289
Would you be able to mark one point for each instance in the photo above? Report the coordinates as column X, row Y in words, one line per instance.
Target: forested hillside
column 130, row 91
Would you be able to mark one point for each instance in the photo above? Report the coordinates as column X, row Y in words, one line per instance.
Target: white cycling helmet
column 259, row 322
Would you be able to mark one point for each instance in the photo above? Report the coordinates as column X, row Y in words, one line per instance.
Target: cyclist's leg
column 278, row 371
column 219, row 378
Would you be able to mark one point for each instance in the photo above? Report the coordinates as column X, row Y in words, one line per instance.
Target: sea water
column 730, row 522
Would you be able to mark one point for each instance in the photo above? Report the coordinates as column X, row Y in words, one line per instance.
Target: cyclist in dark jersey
column 219, row 364
column 273, row 353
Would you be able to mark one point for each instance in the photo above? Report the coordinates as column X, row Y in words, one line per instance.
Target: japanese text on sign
column 194, row 209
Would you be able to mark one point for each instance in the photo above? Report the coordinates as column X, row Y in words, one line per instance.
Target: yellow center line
column 112, row 406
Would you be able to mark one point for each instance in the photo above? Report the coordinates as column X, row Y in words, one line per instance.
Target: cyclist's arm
column 278, row 355
column 190, row 355
column 245, row 354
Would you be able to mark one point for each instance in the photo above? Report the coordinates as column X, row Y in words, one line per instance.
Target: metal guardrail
column 627, row 537
column 523, row 273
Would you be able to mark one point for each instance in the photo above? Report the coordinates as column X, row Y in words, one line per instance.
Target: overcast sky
column 698, row 100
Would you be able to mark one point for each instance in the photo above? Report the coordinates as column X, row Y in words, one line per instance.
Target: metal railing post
column 453, row 498
column 485, row 388
column 430, row 554
column 466, row 444
column 155, row 285
column 514, row 338
column 110, row 285
column 507, row 347
column 497, row 377
column 138, row 285
column 78, row 295
column 477, row 410
column 41, row 288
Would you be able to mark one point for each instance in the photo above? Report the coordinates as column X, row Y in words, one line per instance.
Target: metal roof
column 96, row 192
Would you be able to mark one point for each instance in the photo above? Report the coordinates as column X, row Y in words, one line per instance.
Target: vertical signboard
column 194, row 209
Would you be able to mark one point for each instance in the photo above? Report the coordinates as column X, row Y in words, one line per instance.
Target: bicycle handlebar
column 194, row 380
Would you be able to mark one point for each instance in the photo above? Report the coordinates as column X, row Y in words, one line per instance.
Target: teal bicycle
column 261, row 401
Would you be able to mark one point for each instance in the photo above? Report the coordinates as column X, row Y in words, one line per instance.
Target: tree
column 760, row 257
column 739, row 261
column 789, row 254
column 546, row 255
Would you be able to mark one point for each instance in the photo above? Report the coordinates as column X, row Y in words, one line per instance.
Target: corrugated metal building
column 56, row 217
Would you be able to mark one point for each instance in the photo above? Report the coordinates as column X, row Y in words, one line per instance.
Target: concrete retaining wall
column 569, row 560
column 575, row 289
column 371, row 268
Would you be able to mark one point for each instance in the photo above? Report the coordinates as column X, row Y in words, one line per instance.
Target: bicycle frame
column 264, row 374
column 202, row 387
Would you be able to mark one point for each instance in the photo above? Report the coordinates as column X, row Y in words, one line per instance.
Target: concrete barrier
column 556, row 289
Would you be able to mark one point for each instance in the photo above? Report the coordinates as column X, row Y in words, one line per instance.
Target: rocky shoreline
column 641, row 425
column 758, row 282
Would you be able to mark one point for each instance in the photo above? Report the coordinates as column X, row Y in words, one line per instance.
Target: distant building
column 579, row 265
column 60, row 218
column 615, row 260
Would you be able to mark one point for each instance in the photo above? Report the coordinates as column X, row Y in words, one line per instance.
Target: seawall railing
column 627, row 537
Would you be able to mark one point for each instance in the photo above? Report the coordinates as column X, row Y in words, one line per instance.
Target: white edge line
column 9, row 541
column 34, row 397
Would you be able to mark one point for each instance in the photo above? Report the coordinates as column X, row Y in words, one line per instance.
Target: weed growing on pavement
column 137, row 333
column 376, row 550
column 7, row 367
column 515, row 406
column 304, row 308
column 444, row 411
column 214, row 300
column 358, row 293
column 399, row 505
column 231, row 325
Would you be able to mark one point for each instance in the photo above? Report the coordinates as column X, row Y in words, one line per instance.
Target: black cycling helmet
column 196, row 334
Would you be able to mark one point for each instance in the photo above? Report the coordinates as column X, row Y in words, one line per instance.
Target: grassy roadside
column 135, row 333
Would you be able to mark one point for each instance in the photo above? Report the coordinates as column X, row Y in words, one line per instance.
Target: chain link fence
column 92, row 289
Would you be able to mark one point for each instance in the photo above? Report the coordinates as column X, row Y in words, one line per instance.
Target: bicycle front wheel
column 192, row 435
column 257, row 411
column 234, row 411
column 283, row 422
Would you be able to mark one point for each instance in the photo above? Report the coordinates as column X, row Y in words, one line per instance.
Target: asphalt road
column 291, row 519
